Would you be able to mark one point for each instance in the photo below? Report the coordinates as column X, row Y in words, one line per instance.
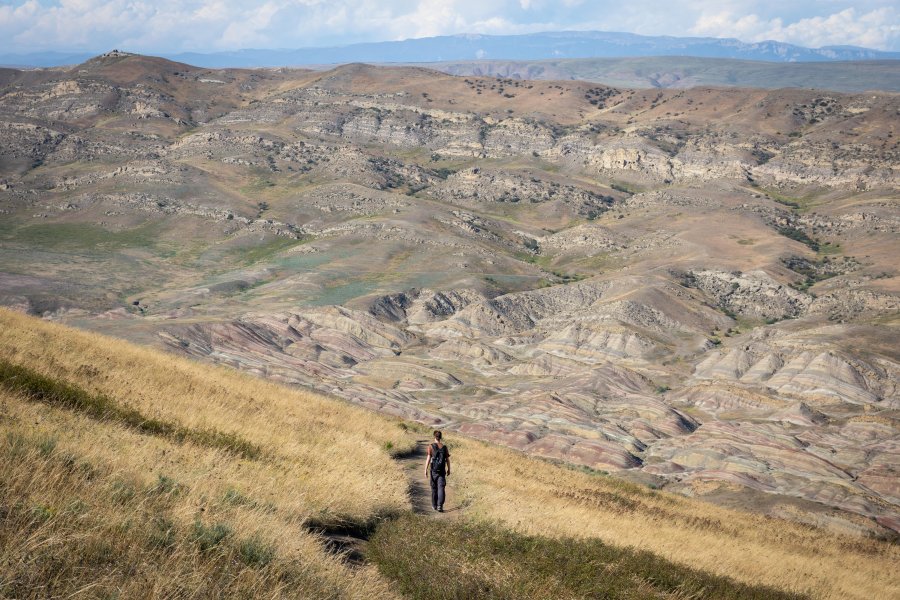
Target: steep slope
column 99, row 492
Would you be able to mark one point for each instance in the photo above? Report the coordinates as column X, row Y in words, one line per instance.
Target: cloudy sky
column 210, row 25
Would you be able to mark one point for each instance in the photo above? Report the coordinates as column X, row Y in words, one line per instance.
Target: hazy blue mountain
column 687, row 72
column 535, row 46
column 45, row 59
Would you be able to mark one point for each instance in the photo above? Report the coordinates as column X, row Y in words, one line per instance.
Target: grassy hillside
column 479, row 560
column 94, row 502
column 129, row 472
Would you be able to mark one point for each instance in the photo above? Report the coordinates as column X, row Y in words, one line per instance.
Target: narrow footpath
column 413, row 464
column 353, row 544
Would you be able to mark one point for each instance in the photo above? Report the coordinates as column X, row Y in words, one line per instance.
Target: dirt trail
column 419, row 488
column 353, row 544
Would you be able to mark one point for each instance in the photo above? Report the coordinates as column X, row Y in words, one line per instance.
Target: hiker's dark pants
column 438, row 483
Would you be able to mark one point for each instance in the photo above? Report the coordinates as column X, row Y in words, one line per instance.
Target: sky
column 171, row 26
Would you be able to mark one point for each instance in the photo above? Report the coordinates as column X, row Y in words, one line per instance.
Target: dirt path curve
column 413, row 464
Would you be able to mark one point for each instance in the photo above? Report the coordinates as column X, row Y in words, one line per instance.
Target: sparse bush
column 162, row 534
column 798, row 235
column 47, row 446
column 256, row 553
column 166, row 486
column 208, row 537
column 122, row 492
column 619, row 187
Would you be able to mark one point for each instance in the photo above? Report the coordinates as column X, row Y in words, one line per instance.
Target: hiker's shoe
column 434, row 508
column 441, row 509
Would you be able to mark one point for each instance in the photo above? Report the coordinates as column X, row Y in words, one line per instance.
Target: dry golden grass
column 537, row 497
column 483, row 560
column 325, row 456
column 92, row 508
column 83, row 499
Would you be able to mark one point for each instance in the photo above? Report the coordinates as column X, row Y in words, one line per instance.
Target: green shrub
column 46, row 446
column 208, row 537
column 256, row 553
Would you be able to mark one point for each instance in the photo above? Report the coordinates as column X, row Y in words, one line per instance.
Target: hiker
column 437, row 469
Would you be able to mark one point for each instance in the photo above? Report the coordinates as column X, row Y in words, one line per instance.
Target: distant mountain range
column 529, row 47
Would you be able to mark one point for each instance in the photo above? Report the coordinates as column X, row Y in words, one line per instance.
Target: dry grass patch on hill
column 326, row 454
column 540, row 498
column 437, row 560
column 129, row 472
column 96, row 509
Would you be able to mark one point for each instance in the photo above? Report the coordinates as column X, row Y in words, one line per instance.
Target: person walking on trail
column 437, row 469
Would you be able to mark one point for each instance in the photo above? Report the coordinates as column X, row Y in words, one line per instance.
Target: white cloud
column 879, row 28
column 251, row 30
column 208, row 25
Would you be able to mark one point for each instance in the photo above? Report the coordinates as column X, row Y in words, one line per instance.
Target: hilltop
column 694, row 290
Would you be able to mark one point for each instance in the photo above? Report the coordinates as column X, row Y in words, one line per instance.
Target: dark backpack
column 438, row 459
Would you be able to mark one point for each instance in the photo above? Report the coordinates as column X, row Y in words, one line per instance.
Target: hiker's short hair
column 437, row 434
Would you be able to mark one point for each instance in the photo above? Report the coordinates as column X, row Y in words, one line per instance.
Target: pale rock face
column 584, row 239
column 753, row 294
column 478, row 187
column 633, row 156
column 822, row 374
column 512, row 137
column 803, row 373
column 478, row 353
column 730, row 366
column 585, row 343
column 762, row 370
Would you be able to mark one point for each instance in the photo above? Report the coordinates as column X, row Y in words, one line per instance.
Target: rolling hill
column 675, row 310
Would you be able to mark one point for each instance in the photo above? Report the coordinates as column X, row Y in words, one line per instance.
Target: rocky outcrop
column 753, row 294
